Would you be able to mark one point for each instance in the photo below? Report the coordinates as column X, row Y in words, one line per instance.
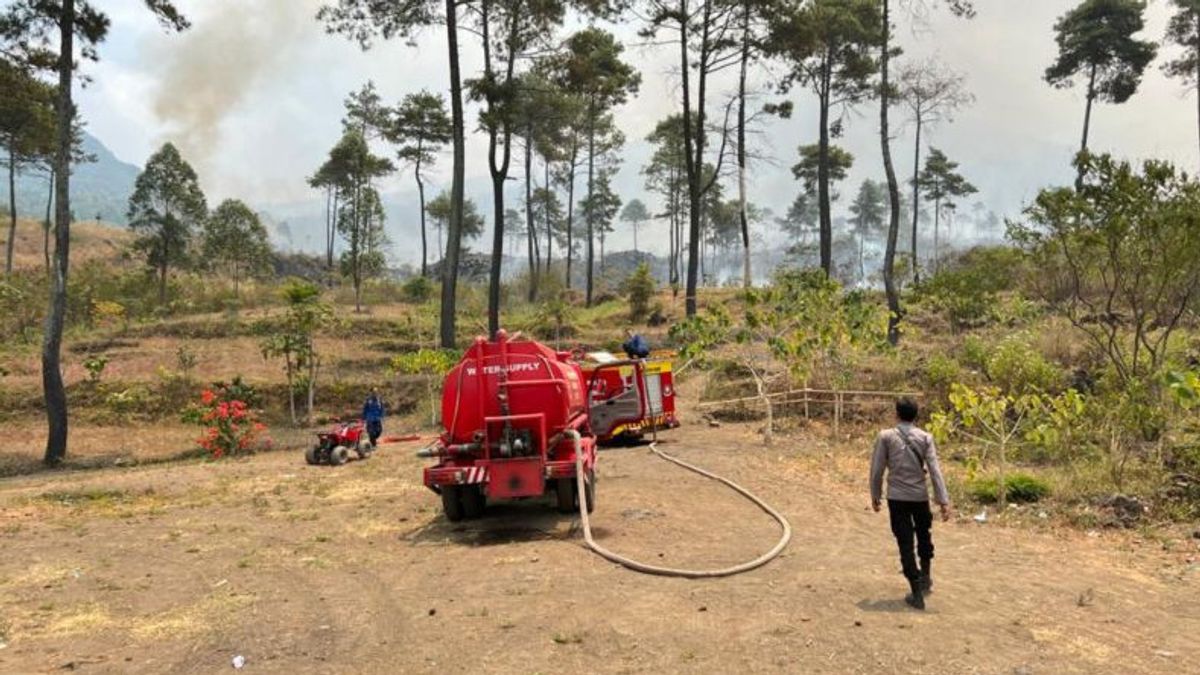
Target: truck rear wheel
column 565, row 490
column 452, row 503
column 472, row 501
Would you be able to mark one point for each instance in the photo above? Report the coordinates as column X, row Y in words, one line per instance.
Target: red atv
column 333, row 447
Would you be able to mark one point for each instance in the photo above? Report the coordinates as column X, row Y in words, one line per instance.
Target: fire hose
column 673, row 571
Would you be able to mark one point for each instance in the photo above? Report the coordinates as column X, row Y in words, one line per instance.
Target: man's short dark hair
column 906, row 409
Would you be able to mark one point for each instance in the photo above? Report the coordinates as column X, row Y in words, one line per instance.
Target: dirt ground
column 180, row 567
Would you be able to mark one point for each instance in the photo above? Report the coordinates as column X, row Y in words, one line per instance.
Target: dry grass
column 198, row 618
column 89, row 241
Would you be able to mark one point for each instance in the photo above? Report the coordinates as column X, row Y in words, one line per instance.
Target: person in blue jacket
column 635, row 345
column 372, row 414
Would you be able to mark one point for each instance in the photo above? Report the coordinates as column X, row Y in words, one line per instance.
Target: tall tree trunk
column 424, row 231
column 46, row 223
column 672, row 276
column 546, row 215
column 52, row 379
column 331, row 227
column 291, row 380
column 826, row 219
column 1087, row 122
column 741, row 143
column 895, row 311
column 499, row 141
column 450, row 260
column 916, row 216
column 571, row 206
column 313, row 365
column 530, row 230
column 12, row 211
column 693, row 142
column 937, row 224
column 328, row 224
column 162, row 279
column 587, row 212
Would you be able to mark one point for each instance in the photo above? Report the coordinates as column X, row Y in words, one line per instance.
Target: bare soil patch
column 179, row 567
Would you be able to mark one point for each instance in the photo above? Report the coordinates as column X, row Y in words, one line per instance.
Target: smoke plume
column 233, row 48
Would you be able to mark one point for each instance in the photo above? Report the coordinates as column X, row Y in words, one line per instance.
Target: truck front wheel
column 452, row 503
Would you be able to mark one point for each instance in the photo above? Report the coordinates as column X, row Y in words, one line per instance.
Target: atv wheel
column 565, row 491
column 364, row 449
column 313, row 455
column 473, row 501
column 339, row 455
column 452, row 503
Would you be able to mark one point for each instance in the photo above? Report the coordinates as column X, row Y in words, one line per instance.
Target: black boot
column 926, row 576
column 915, row 599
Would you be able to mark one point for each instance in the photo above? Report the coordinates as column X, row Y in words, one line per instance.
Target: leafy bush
column 640, row 288
column 417, row 290
column 555, row 318
column 128, row 403
column 94, row 365
column 941, row 371
column 237, row 390
column 975, row 353
column 230, row 426
column 432, row 364
column 1017, row 368
column 1019, row 487
column 967, row 289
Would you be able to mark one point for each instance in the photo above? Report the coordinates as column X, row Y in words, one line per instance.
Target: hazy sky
column 253, row 96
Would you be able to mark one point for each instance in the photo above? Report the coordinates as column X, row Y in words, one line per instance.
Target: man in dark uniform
column 635, row 345
column 372, row 415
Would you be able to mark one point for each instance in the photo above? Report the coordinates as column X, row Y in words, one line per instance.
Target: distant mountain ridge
column 100, row 190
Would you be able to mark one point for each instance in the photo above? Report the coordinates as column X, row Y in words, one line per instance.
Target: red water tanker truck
column 517, row 415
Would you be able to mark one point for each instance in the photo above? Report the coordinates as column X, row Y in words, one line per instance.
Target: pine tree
column 166, row 208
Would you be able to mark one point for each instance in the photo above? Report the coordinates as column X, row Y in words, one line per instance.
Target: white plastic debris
column 982, row 517
column 239, row 662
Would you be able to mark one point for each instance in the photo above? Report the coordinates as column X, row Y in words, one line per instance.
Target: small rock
column 805, row 619
column 702, row 609
column 858, row 623
column 239, row 662
column 1022, row 670
column 534, row 559
column 1164, row 653
column 1196, row 534
column 432, row 612
column 714, row 424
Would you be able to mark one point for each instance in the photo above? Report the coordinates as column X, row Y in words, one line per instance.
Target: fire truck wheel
column 452, row 503
column 589, row 489
column 472, row 502
column 339, row 455
column 565, row 492
column 313, row 455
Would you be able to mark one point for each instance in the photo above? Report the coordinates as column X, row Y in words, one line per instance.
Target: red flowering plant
column 231, row 427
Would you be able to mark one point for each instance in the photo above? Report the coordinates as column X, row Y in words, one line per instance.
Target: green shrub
column 417, row 290
column 941, row 371
column 1019, row 487
column 94, row 365
column 640, row 288
column 1017, row 368
column 975, row 353
column 968, row 287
